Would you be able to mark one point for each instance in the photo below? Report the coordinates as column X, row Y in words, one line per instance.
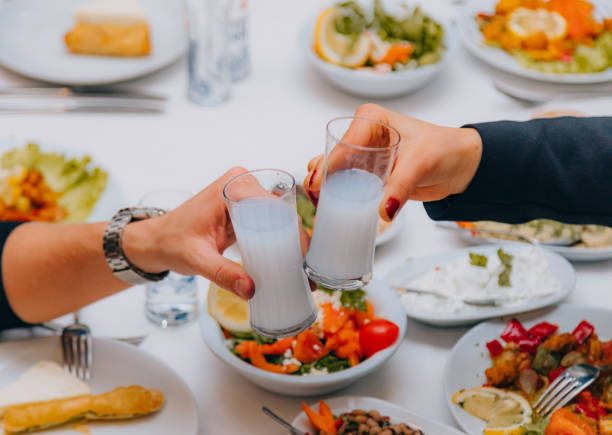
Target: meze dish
column 356, row 422
column 524, row 361
column 48, row 186
column 550, row 36
column 350, row 36
column 345, row 333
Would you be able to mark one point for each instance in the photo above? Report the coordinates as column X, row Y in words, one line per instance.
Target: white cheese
column 119, row 12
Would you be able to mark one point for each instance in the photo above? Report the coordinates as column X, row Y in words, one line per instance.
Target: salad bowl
column 386, row 305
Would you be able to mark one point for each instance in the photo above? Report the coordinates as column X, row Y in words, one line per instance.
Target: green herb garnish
column 306, row 210
column 478, row 260
column 545, row 361
column 355, row 299
column 506, row 259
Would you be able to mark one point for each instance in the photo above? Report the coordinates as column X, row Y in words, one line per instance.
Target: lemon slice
column 231, row 311
column 524, row 22
column 505, row 412
column 337, row 48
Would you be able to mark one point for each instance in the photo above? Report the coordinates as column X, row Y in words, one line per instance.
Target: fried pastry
column 121, row 403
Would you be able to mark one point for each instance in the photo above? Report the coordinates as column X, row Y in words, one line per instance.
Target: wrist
column 470, row 153
column 141, row 245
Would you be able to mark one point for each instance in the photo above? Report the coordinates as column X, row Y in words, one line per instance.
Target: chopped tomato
column 398, row 52
column 377, row 335
column 363, row 317
column 565, row 422
column 554, row 373
column 350, row 348
column 514, row 332
column 308, row 347
column 542, row 330
column 279, row 347
column 583, row 331
column 578, row 14
column 333, row 319
column 589, row 406
column 258, row 360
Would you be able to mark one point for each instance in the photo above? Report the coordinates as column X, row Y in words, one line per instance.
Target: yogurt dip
column 530, row 278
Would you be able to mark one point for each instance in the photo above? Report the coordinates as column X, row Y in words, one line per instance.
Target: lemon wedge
column 505, row 412
column 337, row 48
column 524, row 22
column 231, row 311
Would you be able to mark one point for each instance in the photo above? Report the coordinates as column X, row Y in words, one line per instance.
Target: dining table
column 275, row 118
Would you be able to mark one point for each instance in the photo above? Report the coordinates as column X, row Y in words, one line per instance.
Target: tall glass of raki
column 359, row 156
column 262, row 208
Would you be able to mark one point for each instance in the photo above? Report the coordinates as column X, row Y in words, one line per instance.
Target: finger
column 304, row 239
column 313, row 191
column 227, row 274
column 314, row 162
column 401, row 185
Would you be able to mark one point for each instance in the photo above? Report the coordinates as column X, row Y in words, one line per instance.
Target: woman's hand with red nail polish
column 432, row 162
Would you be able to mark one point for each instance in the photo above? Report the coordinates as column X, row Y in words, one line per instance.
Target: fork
column 77, row 347
column 567, row 386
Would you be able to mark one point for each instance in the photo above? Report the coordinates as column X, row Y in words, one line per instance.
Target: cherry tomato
column 377, row 335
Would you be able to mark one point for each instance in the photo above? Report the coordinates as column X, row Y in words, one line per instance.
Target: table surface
column 275, row 118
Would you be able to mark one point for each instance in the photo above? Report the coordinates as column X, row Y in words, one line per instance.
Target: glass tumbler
column 359, row 156
column 174, row 300
column 208, row 57
column 262, row 208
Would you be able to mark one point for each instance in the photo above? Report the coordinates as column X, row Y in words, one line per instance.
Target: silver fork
column 567, row 386
column 77, row 347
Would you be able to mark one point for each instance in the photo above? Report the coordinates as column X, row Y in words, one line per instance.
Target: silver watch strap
column 113, row 248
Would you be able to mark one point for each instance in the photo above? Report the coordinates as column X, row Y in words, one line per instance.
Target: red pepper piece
column 583, row 331
column 339, row 422
column 528, row 345
column 514, row 332
column 495, row 348
column 542, row 330
column 554, row 374
column 590, row 406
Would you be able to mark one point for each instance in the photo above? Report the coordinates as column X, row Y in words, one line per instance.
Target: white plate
column 339, row 405
column 375, row 85
column 386, row 305
column 32, row 43
column 114, row 364
column 473, row 40
column 469, row 358
column 574, row 254
column 559, row 266
column 111, row 199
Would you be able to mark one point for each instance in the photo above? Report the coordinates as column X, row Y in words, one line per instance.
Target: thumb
column 228, row 275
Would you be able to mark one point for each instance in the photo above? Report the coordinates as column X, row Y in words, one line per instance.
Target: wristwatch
column 113, row 247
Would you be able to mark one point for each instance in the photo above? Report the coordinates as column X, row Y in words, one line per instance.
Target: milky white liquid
column 342, row 244
column 268, row 237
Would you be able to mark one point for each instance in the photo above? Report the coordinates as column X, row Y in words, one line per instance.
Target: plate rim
column 453, row 319
column 465, row 21
column 536, row 316
column 146, row 70
column 129, row 348
column 387, row 404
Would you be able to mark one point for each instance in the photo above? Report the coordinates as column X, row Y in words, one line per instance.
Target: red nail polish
column 310, row 194
column 312, row 177
column 313, row 199
column 391, row 207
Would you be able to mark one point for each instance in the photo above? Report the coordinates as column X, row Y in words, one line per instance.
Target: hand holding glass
column 341, row 252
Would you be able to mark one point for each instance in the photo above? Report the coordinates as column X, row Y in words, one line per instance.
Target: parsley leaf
column 478, row 260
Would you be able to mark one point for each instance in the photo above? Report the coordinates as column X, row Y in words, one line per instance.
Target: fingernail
column 391, row 207
column 244, row 288
column 312, row 177
column 314, row 200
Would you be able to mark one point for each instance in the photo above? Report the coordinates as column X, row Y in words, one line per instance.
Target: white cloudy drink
column 268, row 237
column 342, row 244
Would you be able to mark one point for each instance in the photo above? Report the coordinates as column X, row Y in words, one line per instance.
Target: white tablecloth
column 276, row 118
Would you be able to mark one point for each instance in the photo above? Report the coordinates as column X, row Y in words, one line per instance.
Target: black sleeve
column 8, row 318
column 559, row 168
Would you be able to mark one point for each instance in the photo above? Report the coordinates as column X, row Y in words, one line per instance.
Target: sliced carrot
column 334, row 319
column 565, row 422
column 317, row 420
column 353, row 359
column 332, row 343
column 326, row 413
column 243, row 348
column 348, row 349
column 279, row 347
column 398, row 52
column 258, row 360
column 363, row 317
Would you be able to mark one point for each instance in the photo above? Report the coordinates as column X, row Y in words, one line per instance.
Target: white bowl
column 376, row 85
column 386, row 305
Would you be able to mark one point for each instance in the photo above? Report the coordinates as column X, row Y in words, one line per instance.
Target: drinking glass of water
column 175, row 299
column 356, row 166
column 208, row 57
column 261, row 204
